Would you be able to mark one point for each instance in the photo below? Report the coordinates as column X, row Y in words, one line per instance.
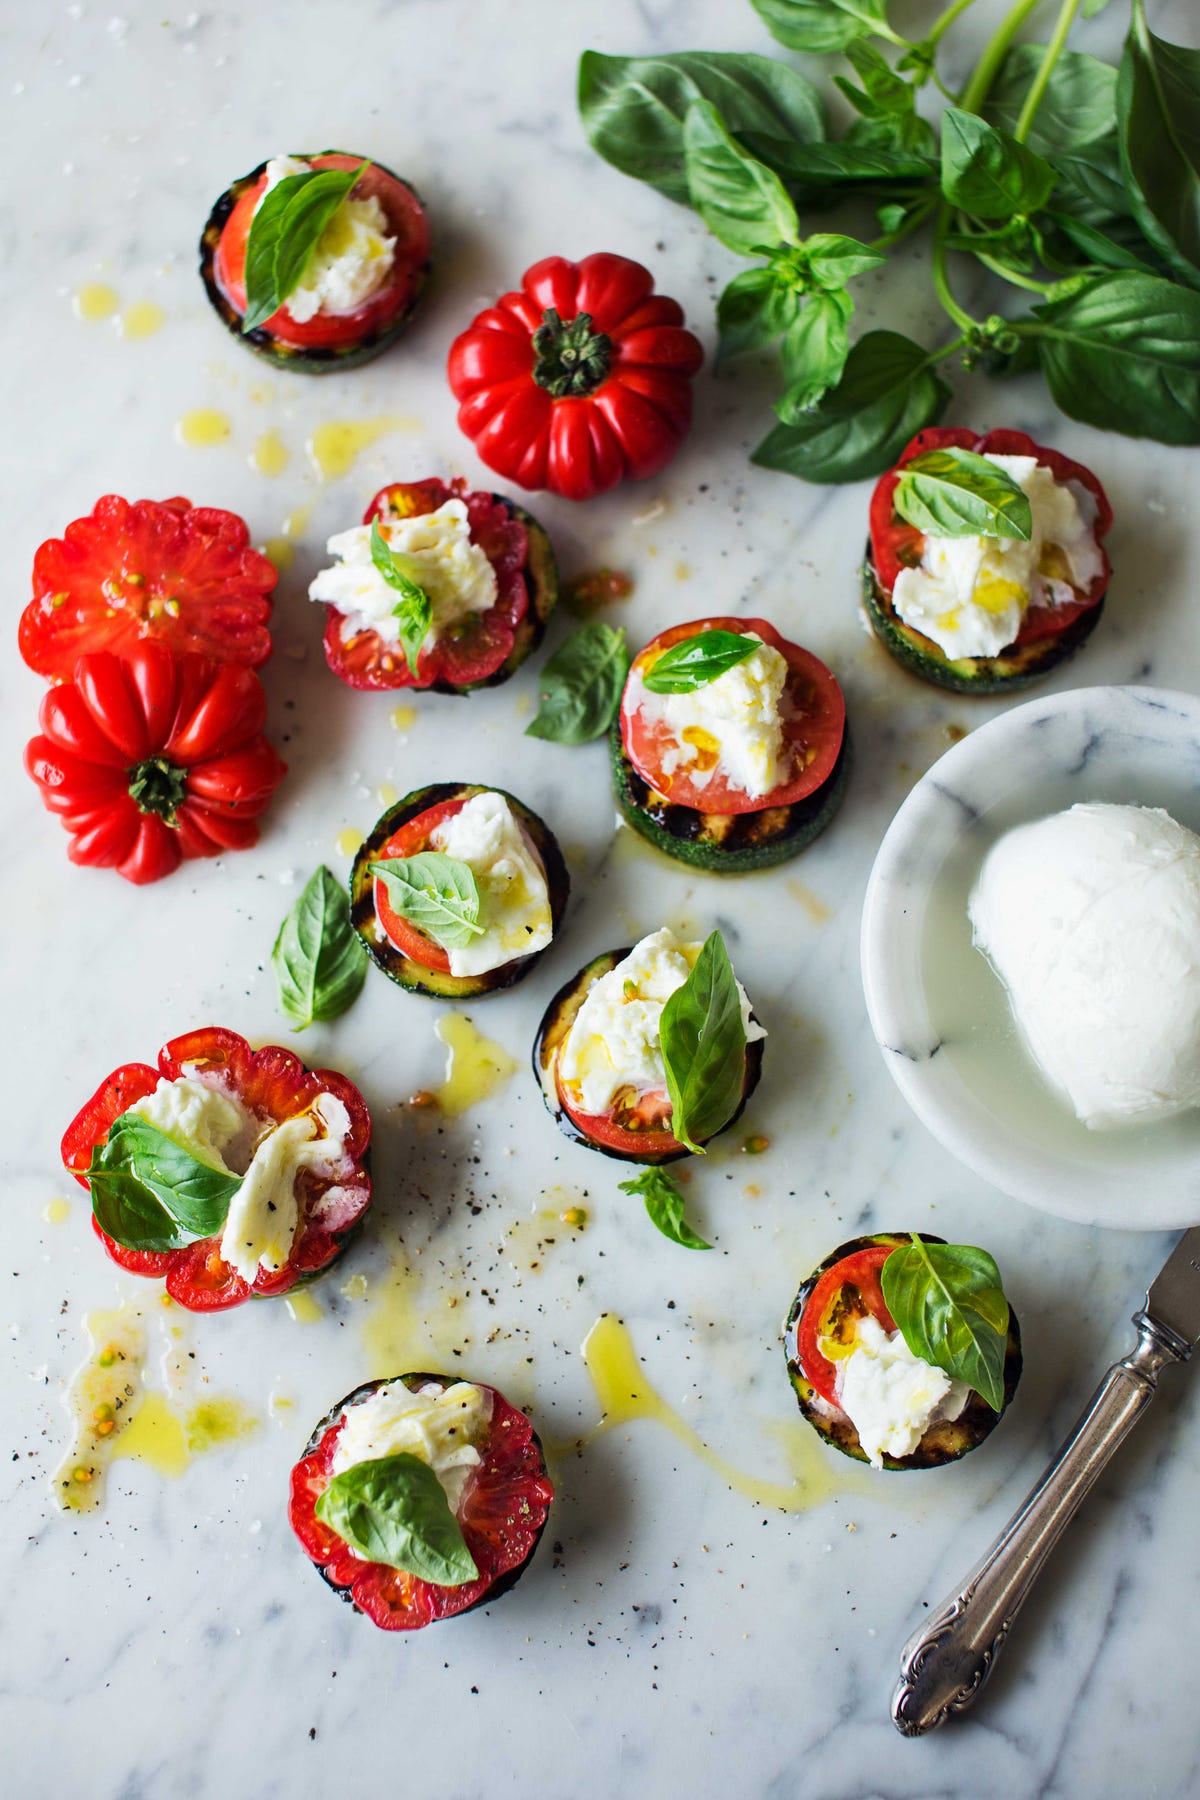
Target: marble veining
column 671, row 1638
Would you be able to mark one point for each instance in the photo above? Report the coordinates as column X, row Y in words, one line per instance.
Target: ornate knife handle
column 945, row 1663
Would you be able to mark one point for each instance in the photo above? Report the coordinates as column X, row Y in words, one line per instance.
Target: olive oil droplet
column 141, row 320
column 475, row 1068
column 94, row 300
column 347, row 842
column 202, row 427
column 336, row 446
column 270, row 455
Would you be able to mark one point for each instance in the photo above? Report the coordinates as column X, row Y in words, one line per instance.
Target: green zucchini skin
column 725, row 843
column 414, row 1382
column 557, row 1020
column 311, row 359
column 948, row 1439
column 981, row 675
column 439, row 984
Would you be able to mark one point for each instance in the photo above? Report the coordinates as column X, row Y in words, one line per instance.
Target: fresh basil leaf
column 580, row 685
column 954, row 493
column 752, row 312
column 287, row 225
column 1158, row 121
column 694, row 662
column 664, row 1203
column 1099, row 248
column 842, row 165
column 633, row 107
column 949, row 1307
column 1078, row 107
column 887, row 393
column 414, row 609
column 318, row 957
column 833, row 260
column 703, row 1044
column 908, row 132
column 742, row 202
column 393, row 1510
column 821, row 25
column 1120, row 352
column 884, row 94
column 156, row 1194
column 814, row 354
column 128, row 1212
column 987, row 173
column 436, row 893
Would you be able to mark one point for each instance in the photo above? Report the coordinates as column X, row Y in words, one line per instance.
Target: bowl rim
column 1022, row 1171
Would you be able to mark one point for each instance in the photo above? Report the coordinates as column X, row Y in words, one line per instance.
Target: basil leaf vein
column 741, row 200
column 664, row 1204
column 580, row 686
column 414, row 609
column 284, row 233
column 436, row 893
column 394, row 1510
column 955, row 493
column 950, row 1308
column 319, row 960
column 703, row 1044
column 149, row 1193
column 695, row 661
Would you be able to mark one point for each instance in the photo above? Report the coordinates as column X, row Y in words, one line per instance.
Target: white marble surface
column 681, row 1640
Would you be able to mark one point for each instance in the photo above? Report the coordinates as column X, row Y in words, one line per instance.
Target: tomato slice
column 407, row 223
column 502, row 1512
column 115, row 1095
column 647, row 1132
column 411, row 838
column 814, row 726
column 138, row 1262
column 469, row 652
column 851, row 1288
column 895, row 544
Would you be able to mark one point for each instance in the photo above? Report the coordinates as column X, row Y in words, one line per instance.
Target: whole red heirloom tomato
column 151, row 757
column 272, row 1088
column 579, row 380
column 151, row 568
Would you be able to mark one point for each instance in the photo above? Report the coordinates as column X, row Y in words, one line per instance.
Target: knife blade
column 946, row 1662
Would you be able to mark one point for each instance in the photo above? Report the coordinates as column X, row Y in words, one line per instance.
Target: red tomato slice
column 138, row 1262
column 860, row 1274
column 472, row 650
column 115, row 1095
column 408, row 841
column 407, row 223
column 895, row 544
column 501, row 1513
column 814, row 730
column 649, row 1133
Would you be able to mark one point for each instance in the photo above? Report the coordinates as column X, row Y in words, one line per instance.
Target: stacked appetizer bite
column 985, row 565
column 439, row 587
column 650, row 1052
column 229, row 1173
column 458, row 890
column 902, row 1350
column 730, row 749
column 316, row 262
column 420, row 1498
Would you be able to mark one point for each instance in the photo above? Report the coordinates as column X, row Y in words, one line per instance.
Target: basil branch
column 988, row 66
column 1054, row 50
column 944, row 21
column 941, row 280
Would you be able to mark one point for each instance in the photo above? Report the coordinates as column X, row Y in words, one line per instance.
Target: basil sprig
column 954, row 493
column 703, row 1044
column 695, row 661
column 394, row 1510
column 414, row 609
column 284, row 233
column 318, row 957
column 149, row 1193
column 664, row 1203
column 580, row 686
column 436, row 893
column 950, row 1308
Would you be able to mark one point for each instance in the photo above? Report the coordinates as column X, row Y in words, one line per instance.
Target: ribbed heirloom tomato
column 150, row 757
column 851, row 1288
column 579, row 379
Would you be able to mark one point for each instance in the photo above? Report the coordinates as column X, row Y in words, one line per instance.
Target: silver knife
column 945, row 1663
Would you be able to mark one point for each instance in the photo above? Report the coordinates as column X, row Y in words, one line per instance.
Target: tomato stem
column 157, row 786
column 570, row 358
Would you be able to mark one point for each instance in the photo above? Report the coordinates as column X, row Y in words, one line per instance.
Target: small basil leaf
column 414, row 609
column 986, row 172
column 742, row 202
column 287, row 225
column 842, row 165
column 1078, row 106
column 393, row 1510
column 1098, row 247
column 752, row 312
column 883, row 94
column 821, row 25
column 266, row 228
column 886, row 394
column 193, row 1196
column 814, row 354
column 907, row 132
column 949, row 1307
column 664, row 1203
column 703, row 1044
column 318, row 957
column 1120, row 352
column 633, row 107
column 580, row 685
column 954, row 493
column 128, row 1212
column 694, row 662
column 833, row 260
column 1158, row 112
column 436, row 893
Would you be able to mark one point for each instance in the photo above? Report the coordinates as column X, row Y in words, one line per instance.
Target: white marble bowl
column 937, row 1010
